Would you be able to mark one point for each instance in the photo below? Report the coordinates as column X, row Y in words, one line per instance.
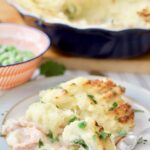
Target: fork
column 131, row 140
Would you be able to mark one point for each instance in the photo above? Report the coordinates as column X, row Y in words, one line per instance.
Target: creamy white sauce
column 24, row 135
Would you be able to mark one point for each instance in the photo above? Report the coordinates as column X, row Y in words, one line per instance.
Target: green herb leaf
column 40, row 144
column 122, row 133
column 91, row 97
column 81, row 142
column 73, row 119
column 82, row 124
column 51, row 68
column 138, row 111
column 103, row 135
column 51, row 137
column 114, row 106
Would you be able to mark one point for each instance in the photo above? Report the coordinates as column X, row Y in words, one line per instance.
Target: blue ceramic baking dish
column 98, row 43
column 92, row 42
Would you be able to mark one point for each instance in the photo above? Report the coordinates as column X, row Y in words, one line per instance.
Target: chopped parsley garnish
column 81, row 142
column 73, row 119
column 40, row 144
column 138, row 111
column 51, row 137
column 122, row 133
column 92, row 98
column 103, row 135
column 142, row 141
column 82, row 124
column 114, row 106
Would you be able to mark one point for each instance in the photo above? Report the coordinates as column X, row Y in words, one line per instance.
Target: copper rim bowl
column 25, row 38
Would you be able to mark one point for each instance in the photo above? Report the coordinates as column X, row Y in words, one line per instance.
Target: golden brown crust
column 125, row 113
column 108, row 88
column 109, row 99
column 101, row 84
column 145, row 14
column 116, row 91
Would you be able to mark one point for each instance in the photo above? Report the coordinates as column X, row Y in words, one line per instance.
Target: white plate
column 14, row 103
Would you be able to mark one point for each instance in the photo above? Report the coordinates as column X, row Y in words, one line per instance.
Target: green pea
column 12, row 55
column 2, row 49
column 25, row 58
column 4, row 56
column 82, row 124
column 10, row 48
column 5, row 62
column 1, row 58
column 12, row 60
column 27, row 54
column 19, row 58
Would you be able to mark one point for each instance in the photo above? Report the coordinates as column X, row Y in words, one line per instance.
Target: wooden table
column 136, row 65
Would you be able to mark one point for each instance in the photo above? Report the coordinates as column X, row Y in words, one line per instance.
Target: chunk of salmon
column 22, row 134
column 12, row 125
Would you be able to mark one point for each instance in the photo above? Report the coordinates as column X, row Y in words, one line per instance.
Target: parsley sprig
column 50, row 68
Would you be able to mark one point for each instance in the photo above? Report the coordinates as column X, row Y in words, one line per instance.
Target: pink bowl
column 25, row 38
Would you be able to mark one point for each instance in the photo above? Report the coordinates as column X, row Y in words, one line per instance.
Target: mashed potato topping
column 109, row 14
column 80, row 114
